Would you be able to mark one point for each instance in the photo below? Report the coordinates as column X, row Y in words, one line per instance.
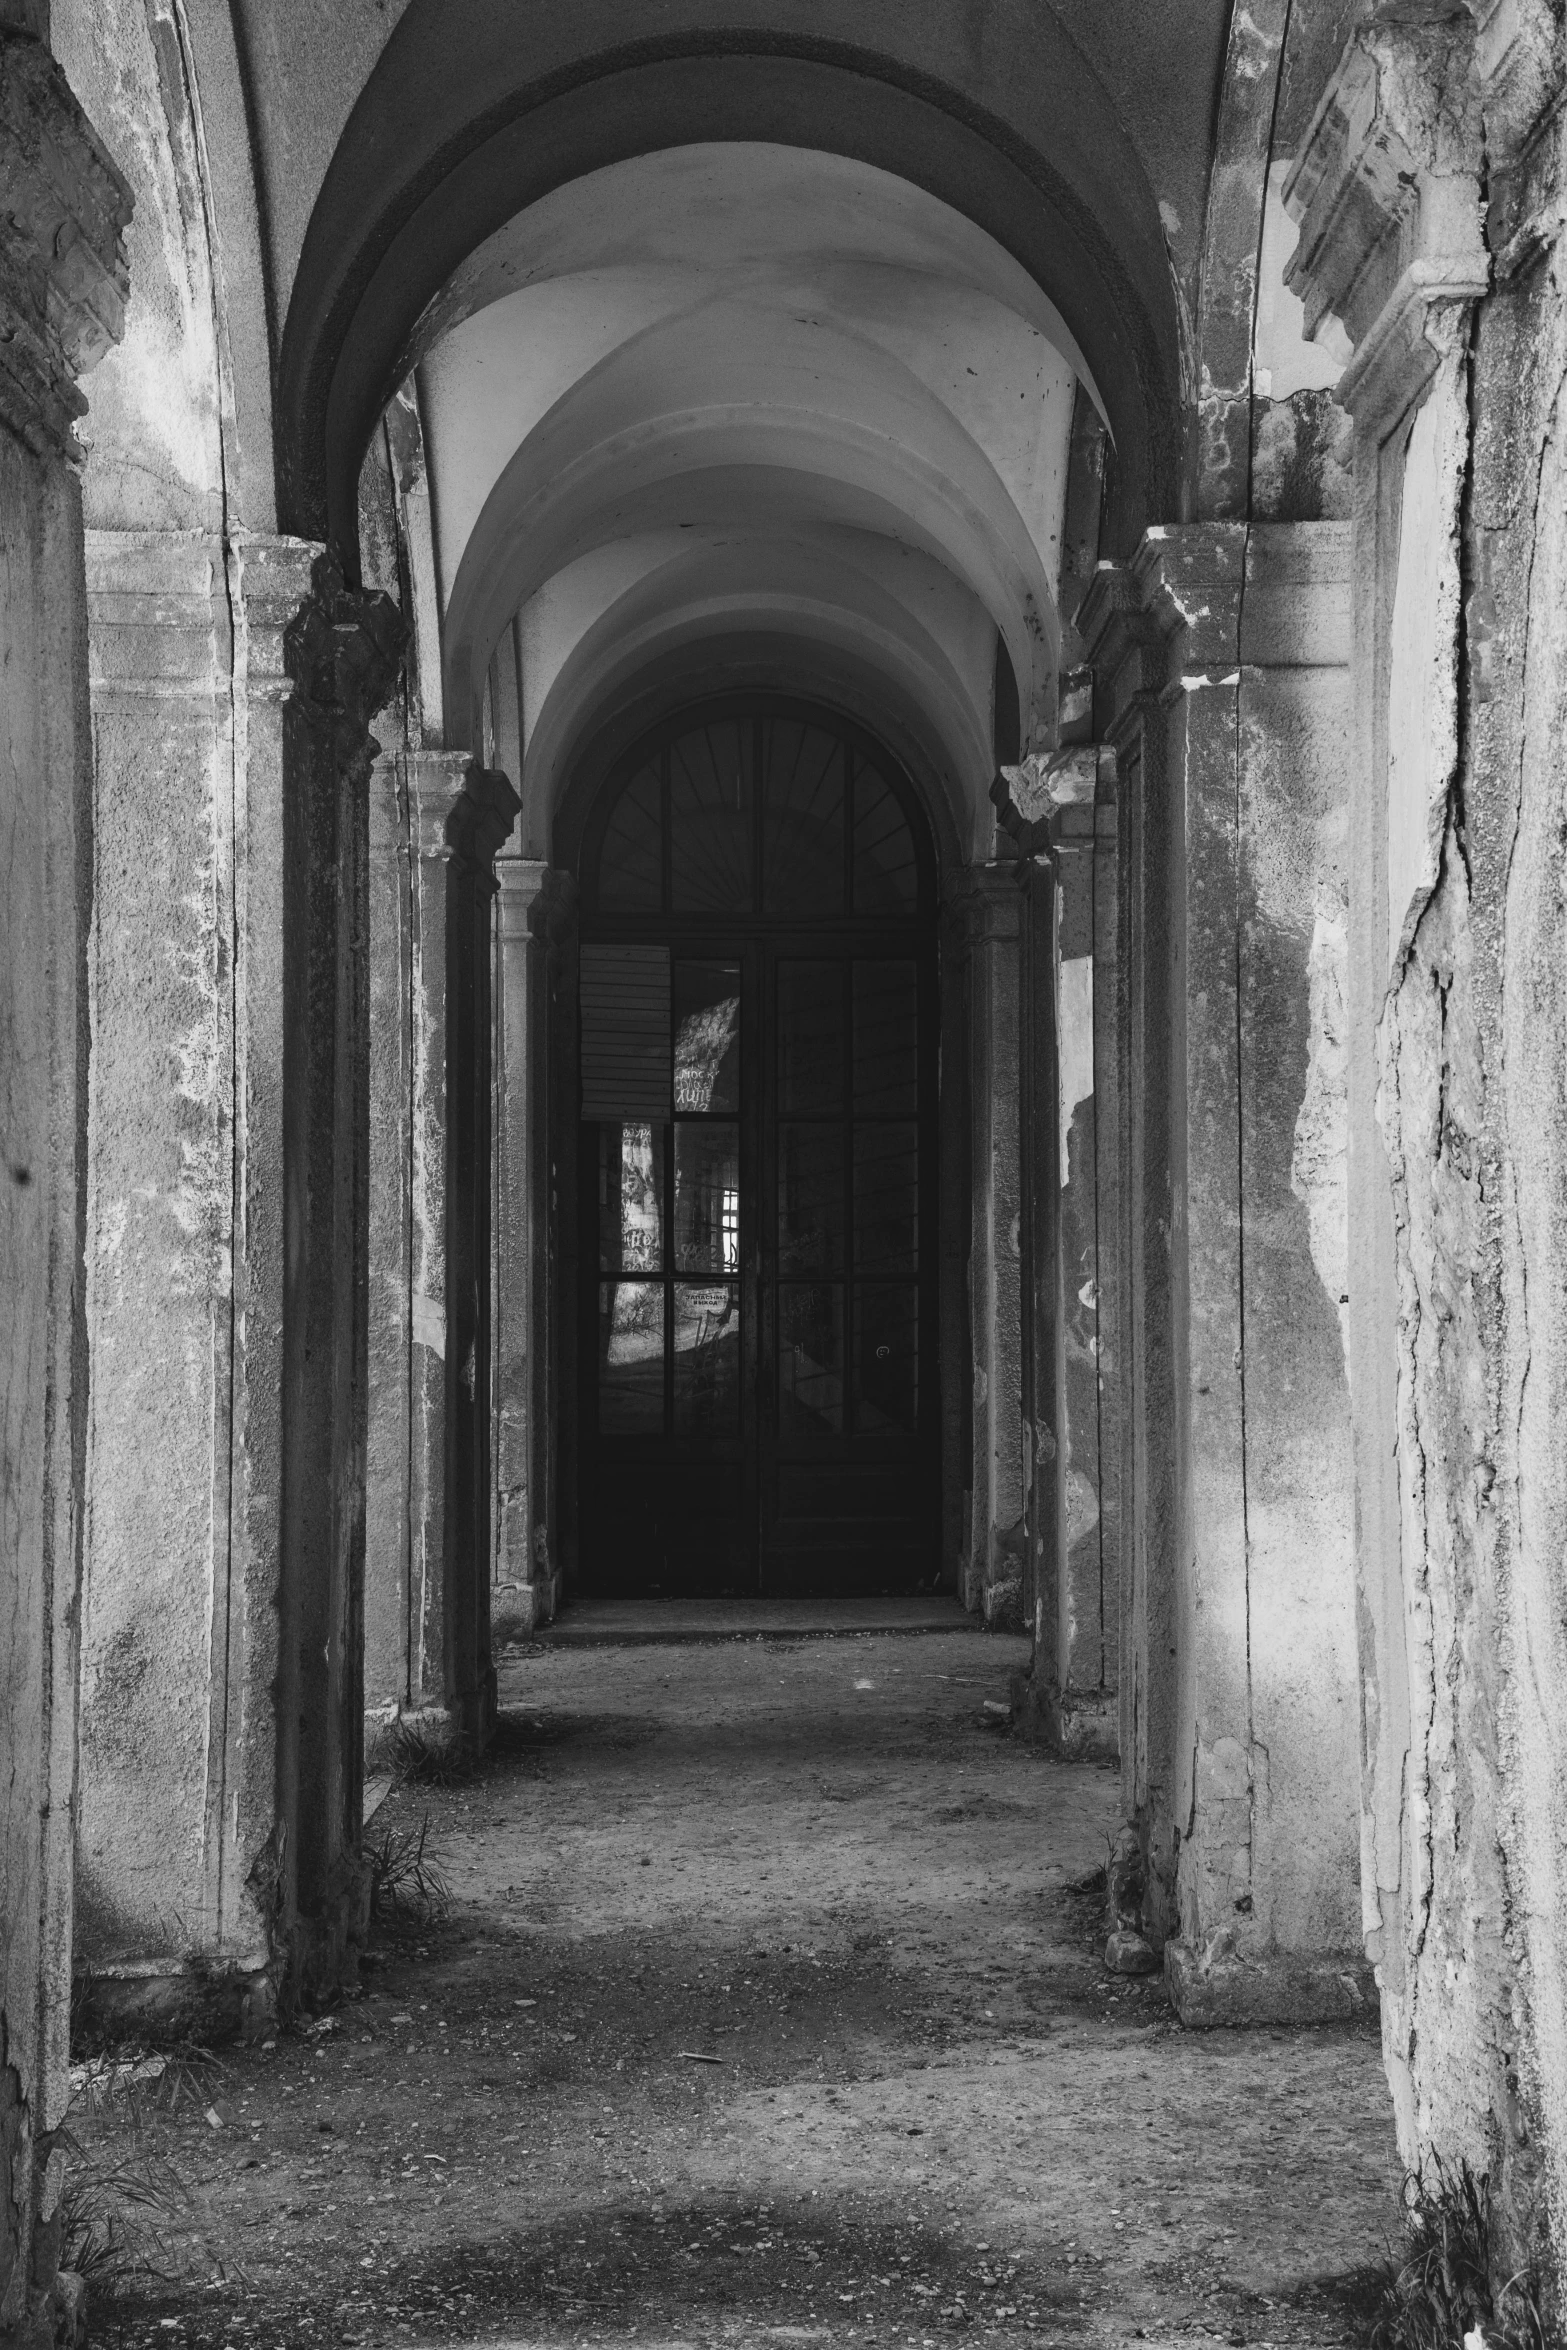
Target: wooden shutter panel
column 624, row 998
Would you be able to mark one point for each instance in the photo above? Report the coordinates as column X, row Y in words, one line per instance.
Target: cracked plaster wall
column 1466, row 1684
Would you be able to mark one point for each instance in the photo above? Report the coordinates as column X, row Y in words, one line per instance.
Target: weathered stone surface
column 1252, row 1685
column 1215, row 1987
column 1126, row 1953
column 62, row 284
column 991, row 907
column 439, row 819
column 533, row 915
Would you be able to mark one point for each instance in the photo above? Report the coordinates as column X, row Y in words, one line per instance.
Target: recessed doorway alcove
column 758, row 1388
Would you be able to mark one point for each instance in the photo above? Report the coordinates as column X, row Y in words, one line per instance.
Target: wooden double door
column 758, row 1166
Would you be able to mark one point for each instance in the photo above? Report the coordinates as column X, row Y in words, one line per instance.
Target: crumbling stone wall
column 1428, row 192
column 63, row 212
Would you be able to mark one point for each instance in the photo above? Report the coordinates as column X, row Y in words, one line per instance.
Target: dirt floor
column 769, row 2008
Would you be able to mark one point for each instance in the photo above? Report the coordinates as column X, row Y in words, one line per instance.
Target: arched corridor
column 781, row 834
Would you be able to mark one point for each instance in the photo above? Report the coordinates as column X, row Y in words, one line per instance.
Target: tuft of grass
column 133, row 2078
column 1443, row 2292
column 418, row 1756
column 118, row 2212
column 405, row 1880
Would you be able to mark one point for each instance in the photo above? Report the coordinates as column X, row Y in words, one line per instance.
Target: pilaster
column 990, row 906
column 1220, row 653
column 63, row 280
column 533, row 913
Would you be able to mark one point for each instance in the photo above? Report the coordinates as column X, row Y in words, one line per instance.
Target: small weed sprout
column 419, row 1756
column 405, row 1880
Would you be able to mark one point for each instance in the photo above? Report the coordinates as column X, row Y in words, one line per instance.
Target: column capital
column 536, row 898
column 64, row 279
column 343, row 650
column 987, row 902
column 435, row 783
column 271, row 574
column 1047, row 801
column 1387, row 191
column 482, row 819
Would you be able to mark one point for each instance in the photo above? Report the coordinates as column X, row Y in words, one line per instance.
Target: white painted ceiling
column 745, row 389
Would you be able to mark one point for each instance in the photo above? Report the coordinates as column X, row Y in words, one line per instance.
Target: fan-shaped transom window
column 771, row 813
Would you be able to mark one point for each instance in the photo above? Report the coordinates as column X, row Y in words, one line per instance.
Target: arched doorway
column 757, row 1299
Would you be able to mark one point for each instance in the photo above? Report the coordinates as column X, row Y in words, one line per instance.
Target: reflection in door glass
column 886, row 1040
column 810, row 1362
column 707, row 1358
column 631, row 1198
column 886, row 1198
column 810, row 1199
column 631, row 1358
column 886, row 1358
column 810, row 1038
column 707, row 1037
column 707, row 1197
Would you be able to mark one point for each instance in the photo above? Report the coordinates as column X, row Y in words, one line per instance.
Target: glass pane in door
column 707, row 1358
column 886, row 1358
column 810, row 1361
column 886, row 1198
column 810, row 1038
column 886, row 1040
column 810, row 1199
column 631, row 1358
column 631, row 1198
column 707, row 1037
column 707, row 1196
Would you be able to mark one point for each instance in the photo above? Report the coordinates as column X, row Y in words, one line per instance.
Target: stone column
column 990, row 904
column 178, row 1791
column 1108, row 1213
column 62, row 294
column 480, row 823
column 427, row 1600
column 1047, row 806
column 534, row 900
column 1430, row 196
column 1243, row 1648
column 388, row 1497
column 341, row 654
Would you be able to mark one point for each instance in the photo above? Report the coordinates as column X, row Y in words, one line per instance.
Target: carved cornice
column 1387, row 190
column 1126, row 648
column 63, row 273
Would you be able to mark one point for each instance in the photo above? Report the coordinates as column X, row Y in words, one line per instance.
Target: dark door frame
column 944, row 1170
